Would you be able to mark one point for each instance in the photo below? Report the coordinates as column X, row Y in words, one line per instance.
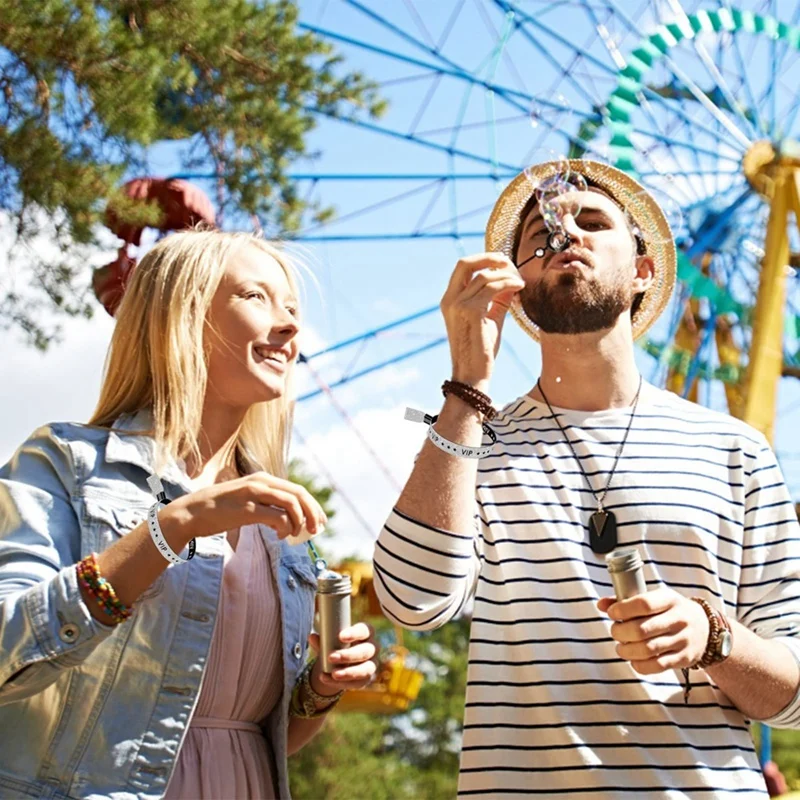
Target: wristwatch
column 720, row 635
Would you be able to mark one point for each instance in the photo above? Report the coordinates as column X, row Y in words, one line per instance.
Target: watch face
column 725, row 644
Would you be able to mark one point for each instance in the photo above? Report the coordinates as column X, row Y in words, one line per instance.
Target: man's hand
column 474, row 307
column 658, row 630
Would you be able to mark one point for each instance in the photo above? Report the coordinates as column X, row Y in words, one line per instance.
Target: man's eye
column 594, row 226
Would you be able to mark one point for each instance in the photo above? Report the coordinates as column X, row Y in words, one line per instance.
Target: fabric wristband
column 154, row 527
column 454, row 449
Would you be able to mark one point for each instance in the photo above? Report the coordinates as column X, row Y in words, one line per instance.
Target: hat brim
column 632, row 196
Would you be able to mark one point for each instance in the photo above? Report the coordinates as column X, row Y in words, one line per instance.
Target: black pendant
column 603, row 531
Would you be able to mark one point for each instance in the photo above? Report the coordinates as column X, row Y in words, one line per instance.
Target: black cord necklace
column 602, row 523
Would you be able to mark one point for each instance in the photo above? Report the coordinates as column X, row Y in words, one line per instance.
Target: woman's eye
column 258, row 295
column 292, row 310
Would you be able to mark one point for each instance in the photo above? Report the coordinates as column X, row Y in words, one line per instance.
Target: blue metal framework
column 547, row 86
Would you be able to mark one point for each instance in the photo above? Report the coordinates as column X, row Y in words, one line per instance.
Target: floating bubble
column 642, row 223
column 552, row 215
column 578, row 182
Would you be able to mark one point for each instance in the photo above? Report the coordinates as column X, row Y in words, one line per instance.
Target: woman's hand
column 286, row 507
column 355, row 664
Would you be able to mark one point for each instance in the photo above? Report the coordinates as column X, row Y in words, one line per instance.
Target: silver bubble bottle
column 333, row 598
column 627, row 572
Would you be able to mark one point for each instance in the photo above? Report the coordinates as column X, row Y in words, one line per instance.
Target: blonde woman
column 142, row 672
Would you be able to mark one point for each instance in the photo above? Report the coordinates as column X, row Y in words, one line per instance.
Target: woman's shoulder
column 62, row 445
column 69, row 435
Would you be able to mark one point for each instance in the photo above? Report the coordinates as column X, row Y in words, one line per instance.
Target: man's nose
column 571, row 227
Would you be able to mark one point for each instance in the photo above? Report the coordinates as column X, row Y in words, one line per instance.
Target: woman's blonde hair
column 157, row 358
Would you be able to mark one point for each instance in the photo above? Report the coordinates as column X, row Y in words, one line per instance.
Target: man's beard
column 573, row 305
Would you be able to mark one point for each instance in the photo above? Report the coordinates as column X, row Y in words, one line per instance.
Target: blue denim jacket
column 89, row 710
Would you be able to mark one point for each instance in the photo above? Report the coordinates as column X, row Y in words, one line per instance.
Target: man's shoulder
column 671, row 407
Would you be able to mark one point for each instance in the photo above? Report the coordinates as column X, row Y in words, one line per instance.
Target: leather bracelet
column 471, row 396
column 715, row 625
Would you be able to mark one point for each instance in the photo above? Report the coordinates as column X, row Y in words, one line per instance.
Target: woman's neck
column 219, row 430
column 588, row 372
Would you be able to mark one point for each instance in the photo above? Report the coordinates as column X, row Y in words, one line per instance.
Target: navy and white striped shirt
column 551, row 709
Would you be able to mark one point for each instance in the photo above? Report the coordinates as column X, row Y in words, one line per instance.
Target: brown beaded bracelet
column 471, row 396
column 101, row 590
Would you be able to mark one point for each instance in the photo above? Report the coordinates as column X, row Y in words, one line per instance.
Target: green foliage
column 322, row 494
column 412, row 755
column 86, row 86
column 785, row 753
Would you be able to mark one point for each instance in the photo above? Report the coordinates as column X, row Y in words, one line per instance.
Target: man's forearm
column 760, row 676
column 440, row 491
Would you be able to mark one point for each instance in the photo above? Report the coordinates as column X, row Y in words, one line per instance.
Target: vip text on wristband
column 454, row 449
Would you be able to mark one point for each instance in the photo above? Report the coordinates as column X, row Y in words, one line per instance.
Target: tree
column 412, row 755
column 87, row 86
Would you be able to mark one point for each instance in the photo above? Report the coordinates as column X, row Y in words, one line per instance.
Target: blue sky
column 364, row 284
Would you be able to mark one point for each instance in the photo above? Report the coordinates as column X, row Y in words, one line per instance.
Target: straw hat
column 643, row 209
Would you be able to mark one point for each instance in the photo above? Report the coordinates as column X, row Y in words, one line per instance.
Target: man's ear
column 645, row 274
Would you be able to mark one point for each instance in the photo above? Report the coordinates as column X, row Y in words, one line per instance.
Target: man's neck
column 589, row 372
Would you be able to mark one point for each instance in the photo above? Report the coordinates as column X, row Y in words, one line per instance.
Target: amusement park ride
column 701, row 109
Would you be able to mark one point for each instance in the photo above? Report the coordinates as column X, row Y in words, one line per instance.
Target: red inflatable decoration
column 182, row 206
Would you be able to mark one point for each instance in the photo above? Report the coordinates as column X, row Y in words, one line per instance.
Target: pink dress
column 225, row 755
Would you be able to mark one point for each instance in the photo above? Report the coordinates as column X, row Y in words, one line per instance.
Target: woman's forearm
column 301, row 732
column 133, row 563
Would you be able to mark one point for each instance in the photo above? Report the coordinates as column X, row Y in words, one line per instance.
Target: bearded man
column 571, row 693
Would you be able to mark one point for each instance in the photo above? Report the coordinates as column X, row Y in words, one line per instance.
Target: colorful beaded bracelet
column 101, row 590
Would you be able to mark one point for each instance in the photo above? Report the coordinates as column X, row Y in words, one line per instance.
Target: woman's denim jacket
column 88, row 710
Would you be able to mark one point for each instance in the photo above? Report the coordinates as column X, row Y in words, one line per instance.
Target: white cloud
column 61, row 384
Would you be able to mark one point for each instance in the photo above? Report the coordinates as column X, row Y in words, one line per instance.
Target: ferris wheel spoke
column 713, row 71
column 423, row 107
column 698, row 94
column 360, row 212
column 744, row 72
column 620, row 62
column 778, row 67
column 414, row 14
column 453, row 221
column 435, row 195
column 507, row 60
column 774, row 93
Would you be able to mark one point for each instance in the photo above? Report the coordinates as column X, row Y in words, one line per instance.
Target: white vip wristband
column 460, row 450
column 155, row 528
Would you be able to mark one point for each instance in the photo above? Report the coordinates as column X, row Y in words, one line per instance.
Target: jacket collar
column 130, row 441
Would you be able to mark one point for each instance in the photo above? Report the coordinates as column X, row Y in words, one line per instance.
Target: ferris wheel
column 700, row 101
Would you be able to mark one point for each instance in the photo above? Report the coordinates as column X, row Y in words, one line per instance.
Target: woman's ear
column 645, row 273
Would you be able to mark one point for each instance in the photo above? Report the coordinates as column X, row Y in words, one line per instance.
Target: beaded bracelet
column 100, row 589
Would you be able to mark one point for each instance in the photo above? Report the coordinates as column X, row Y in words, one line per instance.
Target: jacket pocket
column 105, row 523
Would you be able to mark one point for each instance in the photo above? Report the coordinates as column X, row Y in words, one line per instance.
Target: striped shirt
column 551, row 709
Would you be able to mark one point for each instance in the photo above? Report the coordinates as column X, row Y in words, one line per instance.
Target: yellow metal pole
column 766, row 349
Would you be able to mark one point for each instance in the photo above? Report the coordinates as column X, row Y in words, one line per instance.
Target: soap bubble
column 634, row 205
